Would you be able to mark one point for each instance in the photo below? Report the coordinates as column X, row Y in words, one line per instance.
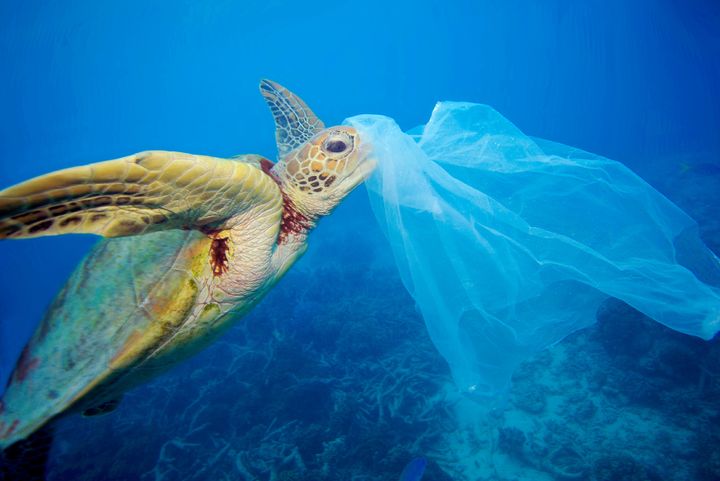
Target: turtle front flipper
column 138, row 194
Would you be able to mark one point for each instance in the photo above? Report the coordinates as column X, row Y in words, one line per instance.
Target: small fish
column 414, row 470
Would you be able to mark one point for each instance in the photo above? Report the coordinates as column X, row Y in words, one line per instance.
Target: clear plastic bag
column 508, row 243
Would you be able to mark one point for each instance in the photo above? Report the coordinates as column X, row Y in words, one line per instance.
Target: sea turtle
column 194, row 242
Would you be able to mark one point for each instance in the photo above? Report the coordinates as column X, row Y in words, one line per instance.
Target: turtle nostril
column 336, row 146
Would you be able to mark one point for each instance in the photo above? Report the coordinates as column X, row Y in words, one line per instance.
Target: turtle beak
column 365, row 166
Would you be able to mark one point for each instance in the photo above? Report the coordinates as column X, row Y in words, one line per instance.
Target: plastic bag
column 508, row 243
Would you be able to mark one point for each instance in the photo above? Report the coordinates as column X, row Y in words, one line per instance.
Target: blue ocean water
column 333, row 376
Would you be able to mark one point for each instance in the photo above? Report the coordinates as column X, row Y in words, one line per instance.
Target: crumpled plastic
column 509, row 243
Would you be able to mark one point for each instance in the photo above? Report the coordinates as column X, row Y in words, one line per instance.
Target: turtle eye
column 338, row 143
column 336, row 146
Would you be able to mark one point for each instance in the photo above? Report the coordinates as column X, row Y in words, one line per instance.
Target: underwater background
column 333, row 376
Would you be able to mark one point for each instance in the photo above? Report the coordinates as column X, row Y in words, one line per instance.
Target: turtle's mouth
column 364, row 166
column 366, row 162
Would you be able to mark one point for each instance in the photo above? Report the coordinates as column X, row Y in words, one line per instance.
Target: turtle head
column 323, row 170
column 317, row 166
